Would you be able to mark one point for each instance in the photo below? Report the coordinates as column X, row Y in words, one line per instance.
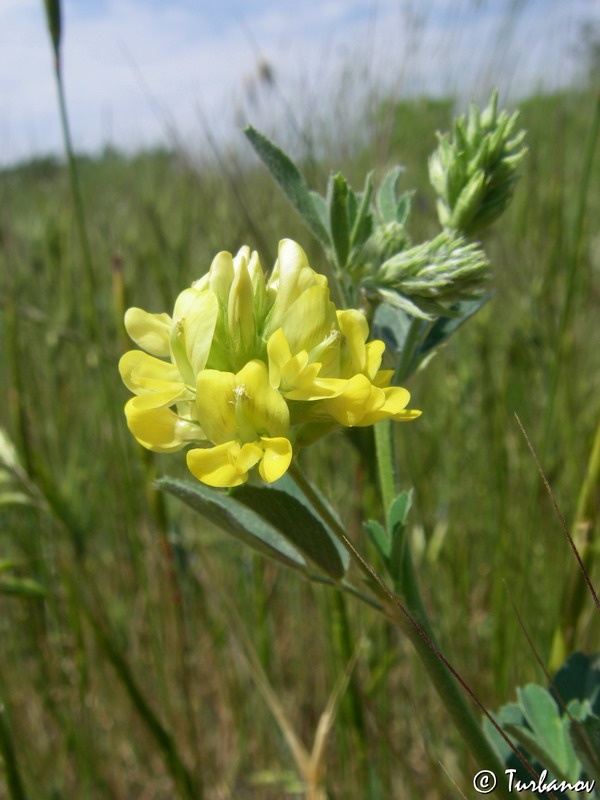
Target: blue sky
column 139, row 72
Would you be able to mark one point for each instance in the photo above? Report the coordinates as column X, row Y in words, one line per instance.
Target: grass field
column 140, row 672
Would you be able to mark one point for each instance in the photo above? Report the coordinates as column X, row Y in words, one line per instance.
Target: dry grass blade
column 328, row 716
column 451, row 779
column 299, row 752
column 563, row 522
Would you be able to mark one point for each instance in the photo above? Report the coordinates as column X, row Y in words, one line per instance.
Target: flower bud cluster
column 250, row 369
column 429, row 278
column 474, row 169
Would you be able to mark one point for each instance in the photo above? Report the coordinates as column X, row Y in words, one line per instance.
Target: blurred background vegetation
column 124, row 668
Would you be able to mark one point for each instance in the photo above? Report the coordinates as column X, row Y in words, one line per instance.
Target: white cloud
column 131, row 66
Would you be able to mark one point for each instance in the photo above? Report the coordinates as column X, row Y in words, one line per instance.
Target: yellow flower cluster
column 255, row 368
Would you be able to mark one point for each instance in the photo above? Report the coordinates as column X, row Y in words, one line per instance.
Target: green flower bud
column 473, row 170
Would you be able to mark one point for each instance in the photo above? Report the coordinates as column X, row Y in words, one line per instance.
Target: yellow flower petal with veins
column 349, row 407
column 394, row 407
column 217, row 466
column 294, row 376
column 149, row 331
column 309, row 319
column 215, row 404
column 262, row 407
column 159, row 429
column 144, row 374
column 276, row 459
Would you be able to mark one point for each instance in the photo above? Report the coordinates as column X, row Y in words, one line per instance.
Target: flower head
column 254, row 369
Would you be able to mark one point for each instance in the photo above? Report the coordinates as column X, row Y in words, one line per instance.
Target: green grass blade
column 173, row 760
column 14, row 782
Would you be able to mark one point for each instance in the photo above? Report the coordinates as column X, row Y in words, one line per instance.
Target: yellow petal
column 241, row 325
column 383, row 378
column 142, row 373
column 221, row 276
column 250, row 454
column 257, row 276
column 262, row 407
column 373, row 354
column 351, row 405
column 277, row 458
column 215, row 405
column 199, row 327
column 291, row 276
column 318, row 389
column 159, row 429
column 279, row 354
column 194, row 320
column 216, row 466
column 160, row 399
column 355, row 330
column 149, row 331
column 309, row 319
column 396, row 400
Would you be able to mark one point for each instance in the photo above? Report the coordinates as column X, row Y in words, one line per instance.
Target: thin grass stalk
column 345, row 648
column 260, row 608
column 176, row 767
column 15, row 391
column 573, row 272
column 188, row 788
column 53, row 14
column 14, row 781
column 584, row 539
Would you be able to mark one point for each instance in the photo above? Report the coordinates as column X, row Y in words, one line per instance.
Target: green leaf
column 509, row 714
column 531, row 744
column 444, row 327
column 363, row 224
column 579, row 678
column 396, row 521
column 378, row 535
column 403, row 208
column 320, row 207
column 351, row 205
column 398, row 511
column 291, row 517
column 337, row 199
column 400, row 301
column 392, row 325
column 289, row 486
column 235, row 519
column 585, row 738
column 21, row 587
column 549, row 730
column 287, row 175
column 387, row 200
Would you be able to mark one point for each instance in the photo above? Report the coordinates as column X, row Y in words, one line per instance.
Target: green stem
column 413, row 621
column 438, row 670
column 384, row 448
column 344, row 645
column 91, row 293
column 405, row 365
column 576, row 589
